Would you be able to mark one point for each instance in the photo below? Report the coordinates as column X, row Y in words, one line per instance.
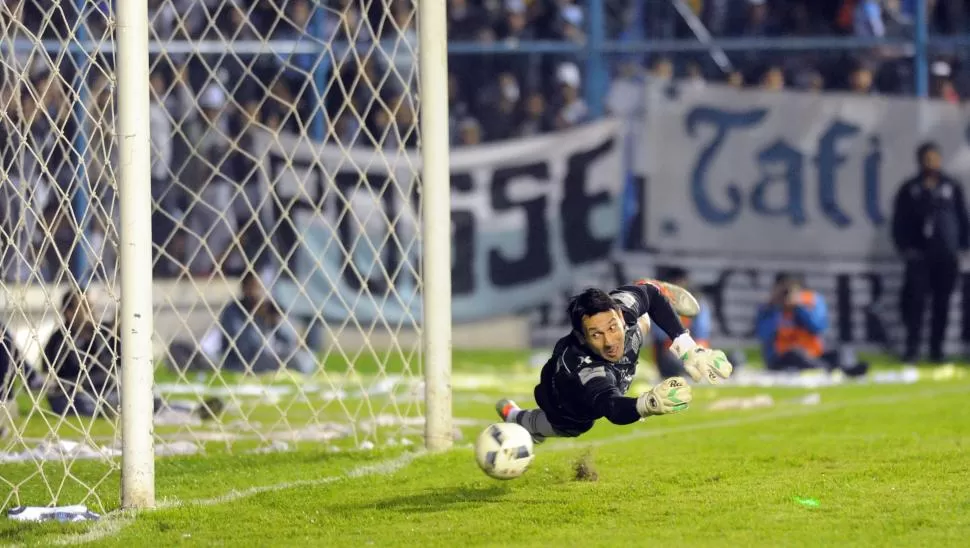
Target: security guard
column 930, row 229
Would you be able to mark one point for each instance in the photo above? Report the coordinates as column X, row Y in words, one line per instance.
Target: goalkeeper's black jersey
column 575, row 377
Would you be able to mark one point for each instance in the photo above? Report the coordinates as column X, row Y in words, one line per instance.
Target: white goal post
column 135, row 257
column 436, row 221
column 232, row 225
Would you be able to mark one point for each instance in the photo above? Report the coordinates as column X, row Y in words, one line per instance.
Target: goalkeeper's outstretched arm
column 670, row 396
column 638, row 300
column 699, row 362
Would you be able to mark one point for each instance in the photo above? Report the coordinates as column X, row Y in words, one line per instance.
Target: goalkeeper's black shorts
column 561, row 420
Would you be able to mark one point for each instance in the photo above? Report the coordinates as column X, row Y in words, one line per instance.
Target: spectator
column 213, row 180
column 400, row 49
column 773, row 79
column 513, row 30
column 253, row 335
column 861, row 79
column 536, row 119
column 694, row 77
column 464, row 20
column 810, row 80
column 941, row 84
column 11, row 360
column 791, row 328
column 458, row 107
column 570, row 22
column 867, row 20
column 82, row 355
column 501, row 105
column 13, row 370
column 470, row 131
column 297, row 70
column 735, row 79
column 572, row 110
column 930, row 230
column 662, row 69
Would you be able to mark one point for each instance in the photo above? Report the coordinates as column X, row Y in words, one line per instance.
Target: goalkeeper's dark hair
column 588, row 303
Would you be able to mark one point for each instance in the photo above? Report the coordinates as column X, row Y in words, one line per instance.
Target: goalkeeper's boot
column 683, row 302
column 507, row 409
column 504, row 407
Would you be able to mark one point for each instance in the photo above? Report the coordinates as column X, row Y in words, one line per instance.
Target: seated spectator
column 535, row 119
column 791, row 328
column 669, row 365
column 469, row 132
column 252, row 336
column 13, row 369
column 82, row 354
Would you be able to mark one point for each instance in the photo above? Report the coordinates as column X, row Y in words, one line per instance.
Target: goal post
column 135, row 257
column 436, row 221
column 227, row 231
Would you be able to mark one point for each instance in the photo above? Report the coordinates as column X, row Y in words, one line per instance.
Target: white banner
column 784, row 174
column 862, row 297
column 526, row 214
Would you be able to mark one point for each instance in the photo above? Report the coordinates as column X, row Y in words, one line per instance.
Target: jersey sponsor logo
column 587, row 374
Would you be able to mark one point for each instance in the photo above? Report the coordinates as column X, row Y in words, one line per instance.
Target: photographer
column 791, row 328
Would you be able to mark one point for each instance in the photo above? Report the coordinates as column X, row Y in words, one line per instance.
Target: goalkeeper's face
column 605, row 333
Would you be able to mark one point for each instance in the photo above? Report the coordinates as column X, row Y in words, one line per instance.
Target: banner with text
column 525, row 214
column 862, row 297
column 784, row 174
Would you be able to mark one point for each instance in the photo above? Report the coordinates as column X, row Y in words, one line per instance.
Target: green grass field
column 866, row 465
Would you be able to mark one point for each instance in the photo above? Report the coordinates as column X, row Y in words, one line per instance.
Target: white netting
column 286, row 279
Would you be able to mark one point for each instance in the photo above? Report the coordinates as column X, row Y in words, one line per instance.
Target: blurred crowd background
column 343, row 71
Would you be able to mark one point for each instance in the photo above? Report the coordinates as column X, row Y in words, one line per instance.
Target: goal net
column 285, row 235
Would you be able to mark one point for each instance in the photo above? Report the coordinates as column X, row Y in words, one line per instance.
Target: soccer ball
column 504, row 450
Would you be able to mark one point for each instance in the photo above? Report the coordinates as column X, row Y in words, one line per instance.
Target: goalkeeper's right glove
column 670, row 396
column 699, row 362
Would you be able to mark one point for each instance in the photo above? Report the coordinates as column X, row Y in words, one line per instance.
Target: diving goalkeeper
column 592, row 368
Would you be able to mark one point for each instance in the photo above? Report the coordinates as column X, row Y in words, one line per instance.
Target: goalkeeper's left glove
column 699, row 362
column 670, row 396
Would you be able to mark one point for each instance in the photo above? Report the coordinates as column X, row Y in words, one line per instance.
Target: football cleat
column 504, row 407
column 683, row 302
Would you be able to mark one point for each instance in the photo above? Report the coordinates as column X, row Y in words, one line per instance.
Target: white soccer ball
column 504, row 450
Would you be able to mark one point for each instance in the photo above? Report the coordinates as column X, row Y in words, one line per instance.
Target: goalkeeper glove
column 670, row 396
column 699, row 362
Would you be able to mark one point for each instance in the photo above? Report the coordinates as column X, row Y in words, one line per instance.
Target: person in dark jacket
column 930, row 230
column 82, row 355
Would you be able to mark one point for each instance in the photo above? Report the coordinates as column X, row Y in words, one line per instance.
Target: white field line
column 113, row 523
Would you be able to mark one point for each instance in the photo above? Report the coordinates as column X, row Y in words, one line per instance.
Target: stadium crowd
column 357, row 90
column 346, row 74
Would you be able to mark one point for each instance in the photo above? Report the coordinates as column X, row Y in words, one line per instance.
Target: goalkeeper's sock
column 508, row 410
column 536, row 422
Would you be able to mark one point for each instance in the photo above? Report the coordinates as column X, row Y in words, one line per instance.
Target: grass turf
column 886, row 464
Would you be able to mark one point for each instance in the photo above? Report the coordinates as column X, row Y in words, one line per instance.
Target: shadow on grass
column 16, row 532
column 434, row 500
